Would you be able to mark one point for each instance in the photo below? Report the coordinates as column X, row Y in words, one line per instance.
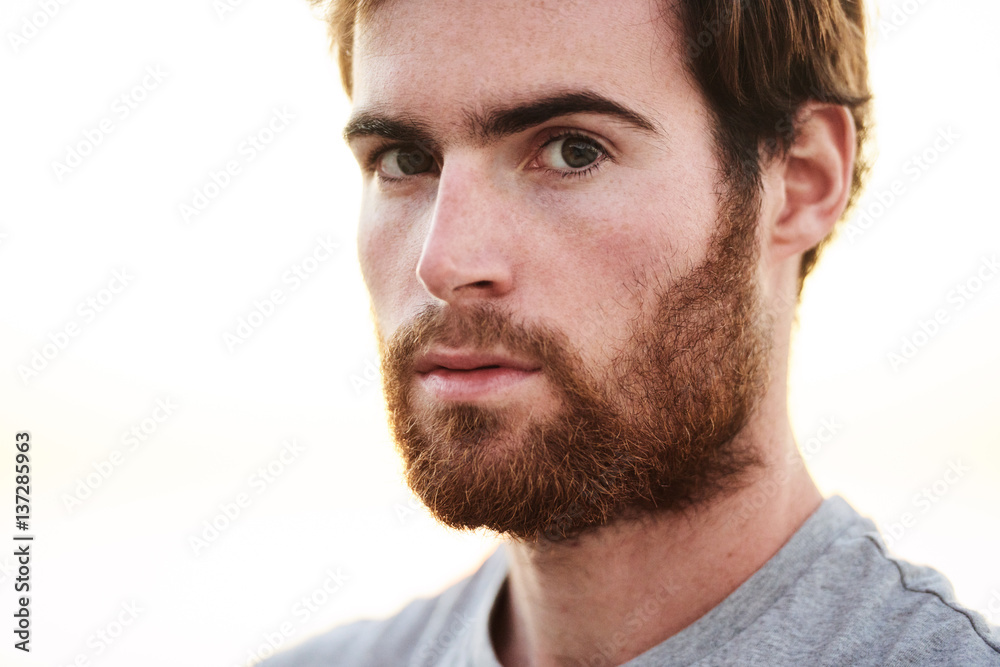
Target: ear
column 814, row 179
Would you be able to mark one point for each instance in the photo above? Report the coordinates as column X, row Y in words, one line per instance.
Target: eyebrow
column 498, row 122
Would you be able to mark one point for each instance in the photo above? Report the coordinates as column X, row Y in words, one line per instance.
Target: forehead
column 427, row 54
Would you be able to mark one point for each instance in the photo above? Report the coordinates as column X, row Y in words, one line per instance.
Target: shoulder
column 920, row 618
column 368, row 642
column 863, row 604
column 422, row 633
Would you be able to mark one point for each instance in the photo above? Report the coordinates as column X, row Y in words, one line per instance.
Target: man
column 584, row 230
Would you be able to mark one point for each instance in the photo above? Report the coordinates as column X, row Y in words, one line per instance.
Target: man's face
column 566, row 297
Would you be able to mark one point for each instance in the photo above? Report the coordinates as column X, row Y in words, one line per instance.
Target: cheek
column 369, row 257
column 388, row 250
column 581, row 279
column 640, row 225
column 605, row 256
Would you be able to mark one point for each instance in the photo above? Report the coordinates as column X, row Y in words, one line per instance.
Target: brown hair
column 757, row 62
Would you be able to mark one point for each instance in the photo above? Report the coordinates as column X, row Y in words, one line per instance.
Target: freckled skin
column 547, row 236
column 498, row 224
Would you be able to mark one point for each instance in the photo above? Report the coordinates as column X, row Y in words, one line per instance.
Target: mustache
column 481, row 326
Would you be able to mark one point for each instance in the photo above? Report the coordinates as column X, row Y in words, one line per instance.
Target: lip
column 458, row 360
column 455, row 375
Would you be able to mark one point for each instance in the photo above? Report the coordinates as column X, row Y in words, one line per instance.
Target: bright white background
column 339, row 507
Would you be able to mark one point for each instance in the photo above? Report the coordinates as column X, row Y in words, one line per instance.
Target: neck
column 615, row 592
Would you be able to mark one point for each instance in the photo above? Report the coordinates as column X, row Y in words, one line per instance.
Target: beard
column 655, row 431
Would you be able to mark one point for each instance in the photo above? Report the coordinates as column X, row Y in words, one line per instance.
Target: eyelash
column 371, row 162
column 589, row 169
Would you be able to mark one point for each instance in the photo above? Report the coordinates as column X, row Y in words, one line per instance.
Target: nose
column 465, row 255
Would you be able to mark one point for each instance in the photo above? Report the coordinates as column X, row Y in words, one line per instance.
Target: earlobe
column 815, row 177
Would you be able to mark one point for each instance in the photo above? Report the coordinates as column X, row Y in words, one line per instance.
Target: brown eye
column 406, row 161
column 578, row 154
column 571, row 153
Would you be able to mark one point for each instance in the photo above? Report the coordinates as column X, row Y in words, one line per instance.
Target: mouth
column 454, row 375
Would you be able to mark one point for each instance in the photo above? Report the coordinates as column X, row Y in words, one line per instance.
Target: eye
column 404, row 161
column 572, row 154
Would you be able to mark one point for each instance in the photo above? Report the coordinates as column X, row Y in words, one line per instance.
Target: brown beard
column 655, row 431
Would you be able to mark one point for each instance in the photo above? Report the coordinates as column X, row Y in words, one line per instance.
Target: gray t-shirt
column 832, row 595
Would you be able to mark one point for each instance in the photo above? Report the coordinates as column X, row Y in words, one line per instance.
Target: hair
column 756, row 61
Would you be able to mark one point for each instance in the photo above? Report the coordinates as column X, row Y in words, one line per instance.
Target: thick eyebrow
column 503, row 121
column 496, row 123
column 375, row 124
